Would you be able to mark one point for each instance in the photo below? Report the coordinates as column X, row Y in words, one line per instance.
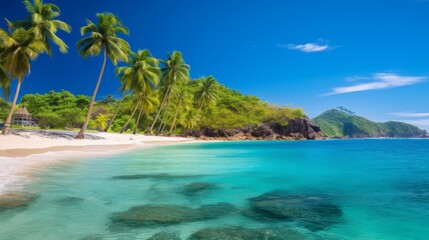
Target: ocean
column 333, row 189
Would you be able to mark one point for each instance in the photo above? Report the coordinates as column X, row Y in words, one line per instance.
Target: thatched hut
column 23, row 118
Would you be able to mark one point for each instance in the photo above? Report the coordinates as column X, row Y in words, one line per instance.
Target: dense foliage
column 63, row 110
column 335, row 123
column 56, row 109
column 159, row 96
column 24, row 41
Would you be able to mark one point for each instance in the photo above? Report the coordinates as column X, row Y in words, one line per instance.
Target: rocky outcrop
column 297, row 129
column 240, row 233
column 314, row 212
column 153, row 215
column 165, row 236
column 196, row 187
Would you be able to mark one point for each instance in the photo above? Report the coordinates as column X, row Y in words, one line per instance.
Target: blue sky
column 368, row 56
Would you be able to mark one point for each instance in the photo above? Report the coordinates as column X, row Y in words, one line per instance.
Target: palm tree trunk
column 81, row 134
column 196, row 116
column 138, row 120
column 9, row 116
column 159, row 111
column 129, row 119
column 114, row 116
column 162, row 125
column 175, row 118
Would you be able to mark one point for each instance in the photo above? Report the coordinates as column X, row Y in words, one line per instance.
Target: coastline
column 24, row 153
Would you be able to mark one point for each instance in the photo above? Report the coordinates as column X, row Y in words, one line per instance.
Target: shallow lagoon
column 352, row 189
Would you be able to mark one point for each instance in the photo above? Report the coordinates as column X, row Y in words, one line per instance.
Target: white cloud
column 308, row 47
column 379, row 81
column 410, row 114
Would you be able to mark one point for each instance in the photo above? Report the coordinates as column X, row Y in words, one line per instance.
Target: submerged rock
column 314, row 212
column 69, row 200
column 93, row 237
column 165, row 236
column 240, row 233
column 196, row 187
column 150, row 214
column 16, row 200
column 153, row 176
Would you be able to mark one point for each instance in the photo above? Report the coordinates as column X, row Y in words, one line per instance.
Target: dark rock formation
column 240, row 233
column 16, row 200
column 164, row 236
column 314, row 212
column 149, row 215
column 66, row 201
column 298, row 129
column 92, row 237
column 152, row 176
column 196, row 187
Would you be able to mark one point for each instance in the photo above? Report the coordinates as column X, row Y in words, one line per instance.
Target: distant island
column 336, row 123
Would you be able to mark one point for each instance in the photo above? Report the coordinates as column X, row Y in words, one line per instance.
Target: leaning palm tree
column 183, row 101
column 206, row 94
column 149, row 100
column 4, row 81
column 42, row 24
column 109, row 123
column 18, row 49
column 141, row 72
column 140, row 75
column 102, row 38
column 175, row 71
column 133, row 109
column 188, row 119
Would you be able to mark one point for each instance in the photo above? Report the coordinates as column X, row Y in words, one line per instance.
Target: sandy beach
column 22, row 153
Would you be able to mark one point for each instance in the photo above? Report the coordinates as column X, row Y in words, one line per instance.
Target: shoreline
column 25, row 153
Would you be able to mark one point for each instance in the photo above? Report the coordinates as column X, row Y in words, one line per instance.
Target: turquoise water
column 381, row 187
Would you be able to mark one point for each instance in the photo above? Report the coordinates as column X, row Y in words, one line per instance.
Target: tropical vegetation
column 24, row 42
column 158, row 95
column 102, row 37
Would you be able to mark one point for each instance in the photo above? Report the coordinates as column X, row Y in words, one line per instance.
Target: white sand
column 22, row 153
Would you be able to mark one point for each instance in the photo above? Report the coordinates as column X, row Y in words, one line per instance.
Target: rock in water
column 196, row 187
column 16, row 200
column 313, row 212
column 240, row 233
column 148, row 215
column 92, row 237
column 165, row 176
column 164, row 236
column 69, row 201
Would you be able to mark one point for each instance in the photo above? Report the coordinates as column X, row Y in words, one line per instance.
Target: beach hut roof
column 22, row 111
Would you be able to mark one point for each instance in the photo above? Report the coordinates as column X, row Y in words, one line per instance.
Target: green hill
column 335, row 123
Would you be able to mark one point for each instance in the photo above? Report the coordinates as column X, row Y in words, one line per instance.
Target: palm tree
column 102, row 38
column 4, row 81
column 42, row 24
column 101, row 121
column 184, row 100
column 175, row 71
column 149, row 100
column 106, row 129
column 18, row 49
column 206, row 94
column 140, row 75
column 188, row 119
column 133, row 112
